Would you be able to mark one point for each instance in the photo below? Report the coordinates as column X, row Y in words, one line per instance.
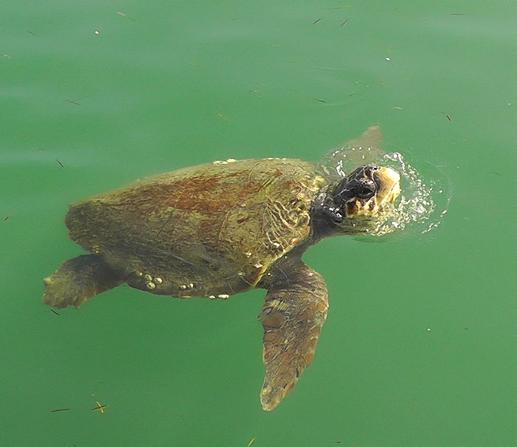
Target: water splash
column 421, row 205
column 345, row 159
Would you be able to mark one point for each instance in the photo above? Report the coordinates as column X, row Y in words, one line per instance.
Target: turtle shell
column 209, row 230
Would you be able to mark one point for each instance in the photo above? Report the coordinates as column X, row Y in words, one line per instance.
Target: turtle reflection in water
column 219, row 229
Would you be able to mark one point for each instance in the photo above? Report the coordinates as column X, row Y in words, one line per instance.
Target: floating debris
column 222, row 116
column 123, row 14
column 99, row 407
column 57, row 410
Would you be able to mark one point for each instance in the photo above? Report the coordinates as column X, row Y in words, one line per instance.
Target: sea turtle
column 218, row 229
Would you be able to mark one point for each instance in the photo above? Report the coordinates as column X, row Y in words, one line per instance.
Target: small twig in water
column 123, row 14
column 99, row 407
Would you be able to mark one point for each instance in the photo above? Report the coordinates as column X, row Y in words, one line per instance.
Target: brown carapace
column 221, row 228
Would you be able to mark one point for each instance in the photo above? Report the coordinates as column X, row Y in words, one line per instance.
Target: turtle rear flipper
column 78, row 280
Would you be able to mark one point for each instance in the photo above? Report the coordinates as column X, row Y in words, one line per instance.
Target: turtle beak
column 388, row 182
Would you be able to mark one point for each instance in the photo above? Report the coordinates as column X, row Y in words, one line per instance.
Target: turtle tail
column 78, row 280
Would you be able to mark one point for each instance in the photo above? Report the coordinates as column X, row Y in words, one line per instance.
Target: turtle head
column 366, row 191
column 361, row 197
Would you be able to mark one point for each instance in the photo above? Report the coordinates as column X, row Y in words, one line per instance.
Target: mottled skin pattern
column 218, row 229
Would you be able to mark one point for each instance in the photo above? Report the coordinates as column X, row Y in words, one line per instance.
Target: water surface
column 420, row 345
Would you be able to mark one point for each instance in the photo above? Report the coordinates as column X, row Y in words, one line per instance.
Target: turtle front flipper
column 293, row 315
column 78, row 280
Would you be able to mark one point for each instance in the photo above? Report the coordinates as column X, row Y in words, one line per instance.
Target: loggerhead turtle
column 218, row 229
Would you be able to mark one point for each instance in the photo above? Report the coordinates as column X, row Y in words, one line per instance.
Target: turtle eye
column 370, row 170
column 365, row 190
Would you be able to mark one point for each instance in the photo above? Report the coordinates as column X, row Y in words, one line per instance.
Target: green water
column 419, row 349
